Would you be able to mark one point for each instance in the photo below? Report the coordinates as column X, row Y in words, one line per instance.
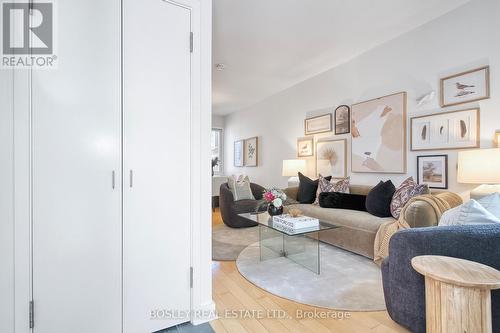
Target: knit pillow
column 333, row 185
column 471, row 212
column 407, row 190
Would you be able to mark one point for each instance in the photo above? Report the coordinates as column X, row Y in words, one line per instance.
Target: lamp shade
column 481, row 166
column 292, row 167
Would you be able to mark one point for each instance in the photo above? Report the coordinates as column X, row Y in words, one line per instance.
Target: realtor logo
column 28, row 35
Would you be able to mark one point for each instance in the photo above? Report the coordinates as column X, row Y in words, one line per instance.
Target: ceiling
column 270, row 45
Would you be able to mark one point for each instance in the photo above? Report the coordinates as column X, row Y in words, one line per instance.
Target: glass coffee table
column 300, row 246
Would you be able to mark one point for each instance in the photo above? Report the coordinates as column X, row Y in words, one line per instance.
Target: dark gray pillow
column 378, row 200
column 343, row 201
column 307, row 189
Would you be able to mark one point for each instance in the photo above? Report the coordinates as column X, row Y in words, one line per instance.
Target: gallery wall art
column 331, row 158
column 251, row 152
column 465, row 87
column 305, row 147
column 446, row 130
column 433, row 171
column 238, row 153
column 342, row 116
column 378, row 133
column 319, row 124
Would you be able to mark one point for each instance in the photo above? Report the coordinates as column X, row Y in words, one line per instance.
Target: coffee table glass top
column 266, row 220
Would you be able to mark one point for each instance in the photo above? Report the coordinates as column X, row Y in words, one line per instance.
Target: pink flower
column 269, row 196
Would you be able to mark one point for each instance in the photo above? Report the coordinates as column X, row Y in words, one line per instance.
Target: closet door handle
column 113, row 182
column 131, row 178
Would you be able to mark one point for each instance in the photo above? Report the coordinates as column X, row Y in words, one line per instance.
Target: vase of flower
column 273, row 210
column 274, row 199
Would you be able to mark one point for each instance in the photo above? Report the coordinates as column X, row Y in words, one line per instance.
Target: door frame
column 202, row 305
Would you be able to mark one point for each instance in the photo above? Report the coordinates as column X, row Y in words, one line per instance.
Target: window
column 217, row 151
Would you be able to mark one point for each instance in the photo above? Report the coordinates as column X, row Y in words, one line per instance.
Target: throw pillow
column 240, row 187
column 491, row 203
column 471, row 212
column 331, row 185
column 343, row 201
column 378, row 200
column 407, row 190
column 307, row 189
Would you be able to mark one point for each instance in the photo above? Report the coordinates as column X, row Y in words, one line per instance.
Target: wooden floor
column 243, row 307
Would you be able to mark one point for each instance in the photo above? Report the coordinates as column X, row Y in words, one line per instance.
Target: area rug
column 227, row 243
column 347, row 281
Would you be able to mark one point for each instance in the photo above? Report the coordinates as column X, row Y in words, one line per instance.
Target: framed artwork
column 433, row 171
column 446, row 130
column 251, row 152
column 465, row 87
column 378, row 130
column 331, row 158
column 342, row 119
column 319, row 124
column 305, row 147
column 238, row 153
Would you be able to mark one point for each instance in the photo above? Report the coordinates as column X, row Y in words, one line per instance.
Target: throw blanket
column 439, row 203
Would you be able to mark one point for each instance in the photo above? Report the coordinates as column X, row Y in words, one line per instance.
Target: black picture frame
column 420, row 159
column 344, row 107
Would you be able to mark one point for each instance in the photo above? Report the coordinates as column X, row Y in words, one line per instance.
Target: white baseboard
column 204, row 314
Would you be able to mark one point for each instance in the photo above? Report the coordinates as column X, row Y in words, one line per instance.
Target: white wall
column 463, row 39
column 218, row 121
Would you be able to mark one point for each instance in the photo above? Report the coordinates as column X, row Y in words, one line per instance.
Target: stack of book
column 291, row 224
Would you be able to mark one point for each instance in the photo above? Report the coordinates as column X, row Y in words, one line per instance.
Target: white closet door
column 6, row 202
column 156, row 97
column 76, row 134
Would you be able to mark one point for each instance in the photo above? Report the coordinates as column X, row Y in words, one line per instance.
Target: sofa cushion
column 378, row 200
column 307, row 189
column 344, row 217
column 343, row 201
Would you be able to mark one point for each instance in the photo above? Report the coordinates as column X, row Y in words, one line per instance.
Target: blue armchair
column 404, row 288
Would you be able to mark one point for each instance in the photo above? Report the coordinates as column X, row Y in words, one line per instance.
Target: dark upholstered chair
column 230, row 209
column 404, row 288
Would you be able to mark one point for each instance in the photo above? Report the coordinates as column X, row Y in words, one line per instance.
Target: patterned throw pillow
column 407, row 190
column 324, row 185
column 240, row 187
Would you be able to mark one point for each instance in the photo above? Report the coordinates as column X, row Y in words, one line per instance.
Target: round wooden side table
column 457, row 294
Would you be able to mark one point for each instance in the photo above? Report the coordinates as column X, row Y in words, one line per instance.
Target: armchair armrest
column 404, row 288
column 421, row 214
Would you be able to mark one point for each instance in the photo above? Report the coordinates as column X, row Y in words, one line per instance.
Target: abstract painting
column 238, row 153
column 319, row 124
column 446, row 130
column 251, row 152
column 433, row 171
column 305, row 147
column 342, row 120
column 331, row 158
column 378, row 129
column 465, row 87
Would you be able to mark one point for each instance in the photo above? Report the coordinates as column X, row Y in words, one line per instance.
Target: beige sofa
column 358, row 229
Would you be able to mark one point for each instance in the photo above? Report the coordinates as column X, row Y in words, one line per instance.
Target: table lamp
column 480, row 166
column 291, row 168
